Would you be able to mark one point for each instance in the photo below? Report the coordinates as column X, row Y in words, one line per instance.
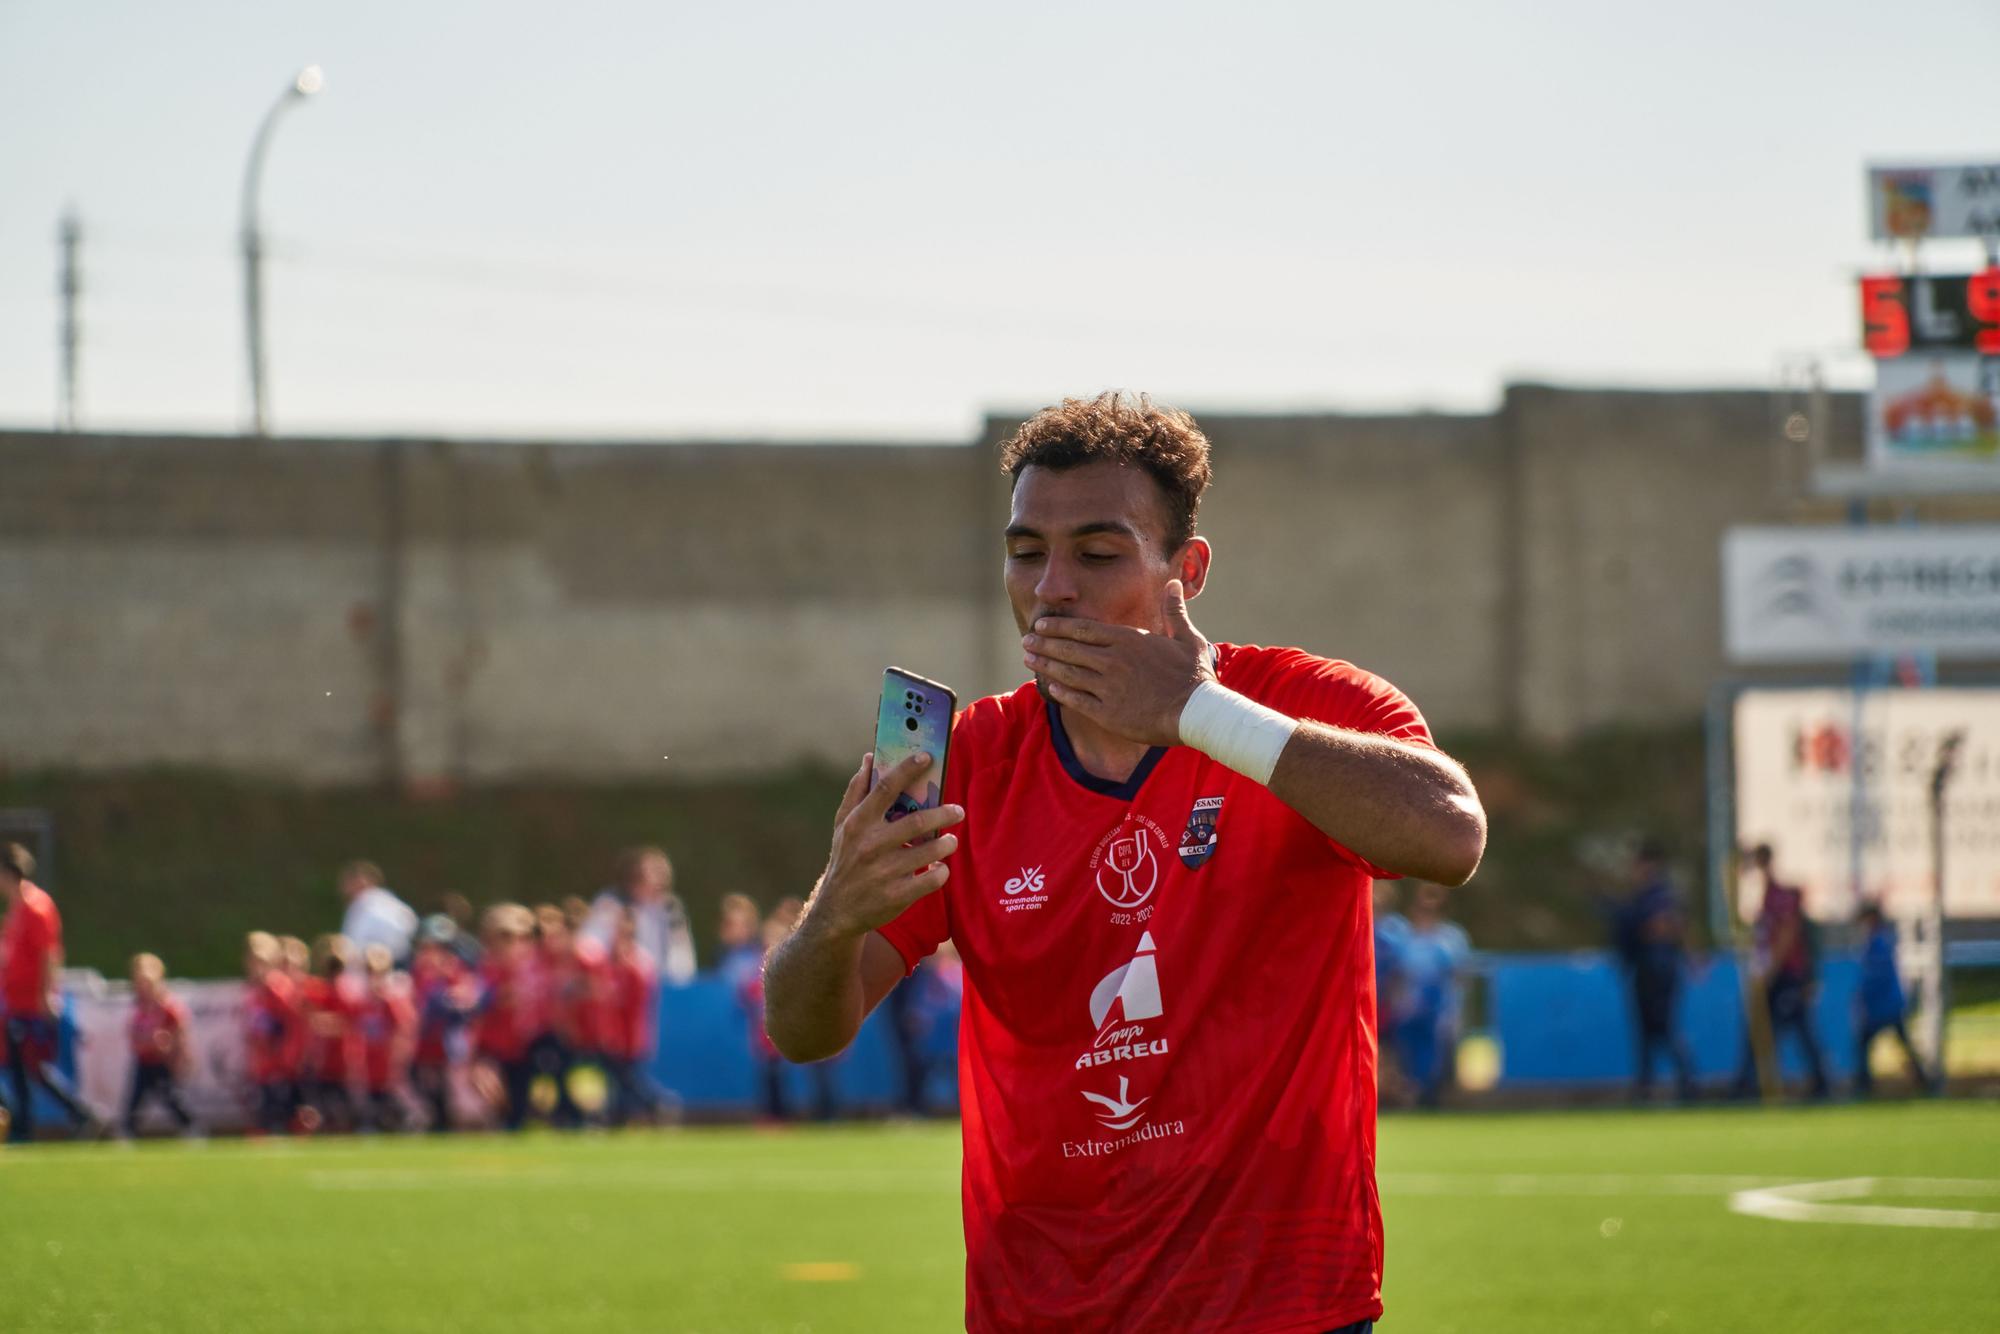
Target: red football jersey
column 333, row 1039
column 32, row 928
column 387, row 1021
column 272, row 1029
column 157, row 1031
column 1167, row 1048
column 631, row 988
column 516, row 1010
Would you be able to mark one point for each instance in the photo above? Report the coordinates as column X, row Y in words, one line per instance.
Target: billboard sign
column 1798, row 754
column 1822, row 595
column 1938, row 409
column 1934, row 203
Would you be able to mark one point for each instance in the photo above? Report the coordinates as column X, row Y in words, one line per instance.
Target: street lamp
column 309, row 81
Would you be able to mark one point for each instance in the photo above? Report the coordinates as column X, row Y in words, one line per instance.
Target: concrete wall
column 420, row 611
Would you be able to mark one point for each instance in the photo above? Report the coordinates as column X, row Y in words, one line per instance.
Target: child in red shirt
column 629, row 998
column 272, row 1032
column 387, row 1024
column 446, row 996
column 158, row 1029
column 332, row 1000
column 513, row 1010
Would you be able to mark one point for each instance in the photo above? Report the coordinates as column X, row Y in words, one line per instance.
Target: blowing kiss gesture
column 1132, row 683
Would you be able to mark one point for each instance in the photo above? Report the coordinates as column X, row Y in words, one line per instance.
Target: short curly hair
column 1122, row 428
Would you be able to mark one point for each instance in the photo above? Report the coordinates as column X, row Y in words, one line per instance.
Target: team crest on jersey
column 1198, row 839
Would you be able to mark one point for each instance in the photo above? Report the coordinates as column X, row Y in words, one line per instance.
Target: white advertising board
column 1934, row 202
column 1804, row 595
column 1797, row 754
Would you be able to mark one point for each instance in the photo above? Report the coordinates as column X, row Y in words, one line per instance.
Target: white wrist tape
column 1235, row 731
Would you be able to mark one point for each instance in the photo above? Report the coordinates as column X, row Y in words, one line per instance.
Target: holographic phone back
column 915, row 716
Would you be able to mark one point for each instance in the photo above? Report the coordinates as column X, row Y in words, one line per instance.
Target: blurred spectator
column 375, row 916
column 387, row 1024
column 628, row 1040
column 1435, row 954
column 159, row 1033
column 445, row 996
column 513, row 1009
column 1392, row 1002
column 739, row 934
column 31, row 956
column 567, row 981
column 939, row 988
column 645, row 887
column 455, row 909
column 273, row 1032
column 1880, row 1001
column 1649, row 932
column 1783, row 971
column 332, row 1000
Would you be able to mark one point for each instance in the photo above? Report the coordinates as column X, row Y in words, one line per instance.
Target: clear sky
column 885, row 219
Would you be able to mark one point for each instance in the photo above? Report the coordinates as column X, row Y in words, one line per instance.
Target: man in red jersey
column 1161, row 896
column 31, row 954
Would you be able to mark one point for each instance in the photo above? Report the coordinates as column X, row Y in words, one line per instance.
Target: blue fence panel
column 1570, row 1020
column 709, row 1057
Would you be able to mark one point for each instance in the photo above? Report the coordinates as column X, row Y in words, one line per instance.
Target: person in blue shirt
column 1434, row 955
column 1879, row 1000
column 1392, row 933
column 1649, row 931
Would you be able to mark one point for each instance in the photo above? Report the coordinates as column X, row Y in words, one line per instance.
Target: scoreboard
column 1935, row 338
column 1931, row 313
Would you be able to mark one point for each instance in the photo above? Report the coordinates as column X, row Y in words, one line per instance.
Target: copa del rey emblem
column 1198, row 839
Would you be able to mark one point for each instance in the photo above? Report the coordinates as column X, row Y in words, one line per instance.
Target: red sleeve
column 926, row 924
column 1338, row 694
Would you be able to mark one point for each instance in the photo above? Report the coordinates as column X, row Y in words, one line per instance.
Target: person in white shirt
column 375, row 916
column 645, row 886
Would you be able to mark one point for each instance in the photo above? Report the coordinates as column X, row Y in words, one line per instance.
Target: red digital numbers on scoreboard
column 1885, row 317
column 1982, row 302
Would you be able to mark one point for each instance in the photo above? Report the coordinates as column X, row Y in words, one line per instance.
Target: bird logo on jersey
column 1198, row 839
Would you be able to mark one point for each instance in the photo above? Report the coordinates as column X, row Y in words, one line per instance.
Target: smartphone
column 915, row 716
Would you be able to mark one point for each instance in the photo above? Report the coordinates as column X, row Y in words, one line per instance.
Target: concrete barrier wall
column 436, row 611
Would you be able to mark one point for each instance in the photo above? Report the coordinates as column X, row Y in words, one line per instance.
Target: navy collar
column 1066, row 753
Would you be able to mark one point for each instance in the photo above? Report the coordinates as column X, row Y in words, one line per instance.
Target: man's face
column 1090, row 542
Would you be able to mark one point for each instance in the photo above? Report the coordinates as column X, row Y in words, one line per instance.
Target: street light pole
column 309, row 81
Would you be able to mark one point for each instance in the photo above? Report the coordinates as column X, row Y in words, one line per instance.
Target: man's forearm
column 813, row 998
column 1404, row 807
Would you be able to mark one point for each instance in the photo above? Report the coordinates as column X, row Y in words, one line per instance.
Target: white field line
column 1814, row 1202
column 1393, row 1184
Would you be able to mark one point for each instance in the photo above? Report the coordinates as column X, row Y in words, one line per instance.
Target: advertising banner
column 1830, row 595
column 1798, row 757
column 1943, row 407
column 1919, row 203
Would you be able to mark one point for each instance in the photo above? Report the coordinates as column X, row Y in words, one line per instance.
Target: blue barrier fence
column 1558, row 1020
column 1568, row 1020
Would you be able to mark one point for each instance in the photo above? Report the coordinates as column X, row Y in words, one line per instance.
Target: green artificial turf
column 1531, row 1222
